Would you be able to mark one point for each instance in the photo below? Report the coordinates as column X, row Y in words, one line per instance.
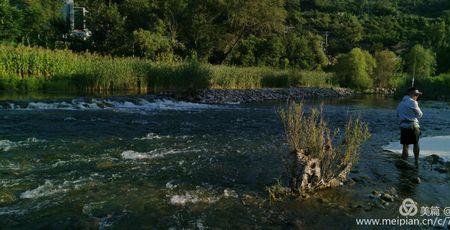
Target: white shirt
column 408, row 113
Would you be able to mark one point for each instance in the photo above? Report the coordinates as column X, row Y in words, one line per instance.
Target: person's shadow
column 408, row 178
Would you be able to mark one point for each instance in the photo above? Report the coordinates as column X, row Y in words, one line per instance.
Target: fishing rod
column 414, row 70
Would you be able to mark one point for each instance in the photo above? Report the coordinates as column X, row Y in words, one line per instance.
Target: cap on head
column 414, row 91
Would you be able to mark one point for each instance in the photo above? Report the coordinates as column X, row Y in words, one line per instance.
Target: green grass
column 435, row 87
column 33, row 68
column 25, row 68
column 260, row 77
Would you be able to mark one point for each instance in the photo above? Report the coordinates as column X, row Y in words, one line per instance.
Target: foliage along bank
column 35, row 68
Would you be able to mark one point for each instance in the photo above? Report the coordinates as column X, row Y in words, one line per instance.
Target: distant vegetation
column 361, row 44
column 27, row 68
column 33, row 68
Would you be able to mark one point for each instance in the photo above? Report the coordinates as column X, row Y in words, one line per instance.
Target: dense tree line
column 307, row 34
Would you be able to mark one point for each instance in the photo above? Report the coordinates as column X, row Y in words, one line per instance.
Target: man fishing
column 408, row 112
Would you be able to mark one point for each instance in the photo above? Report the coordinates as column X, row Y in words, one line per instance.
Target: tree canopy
column 307, row 34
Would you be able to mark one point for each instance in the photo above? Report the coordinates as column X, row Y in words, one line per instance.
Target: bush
column 387, row 67
column 313, row 162
column 355, row 69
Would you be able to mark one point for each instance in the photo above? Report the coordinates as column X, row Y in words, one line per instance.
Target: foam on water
column 48, row 189
column 154, row 136
column 150, row 136
column 157, row 153
column 11, row 211
column 6, row 145
column 192, row 197
column 438, row 145
column 133, row 155
column 184, row 199
column 100, row 104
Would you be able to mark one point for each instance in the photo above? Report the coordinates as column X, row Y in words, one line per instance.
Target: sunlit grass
column 34, row 68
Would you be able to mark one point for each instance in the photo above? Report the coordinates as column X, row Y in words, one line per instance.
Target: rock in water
column 387, row 197
column 434, row 159
column 441, row 169
column 6, row 197
column 416, row 180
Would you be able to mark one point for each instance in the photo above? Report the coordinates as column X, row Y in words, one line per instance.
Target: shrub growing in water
column 313, row 162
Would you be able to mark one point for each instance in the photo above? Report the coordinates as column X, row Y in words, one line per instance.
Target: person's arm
column 417, row 110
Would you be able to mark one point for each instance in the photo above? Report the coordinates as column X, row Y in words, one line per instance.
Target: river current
column 139, row 161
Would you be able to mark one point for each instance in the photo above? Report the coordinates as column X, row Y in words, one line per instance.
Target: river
column 144, row 162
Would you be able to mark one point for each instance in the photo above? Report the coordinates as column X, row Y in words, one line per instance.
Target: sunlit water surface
column 139, row 161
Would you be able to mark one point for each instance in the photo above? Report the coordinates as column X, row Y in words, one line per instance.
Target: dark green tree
column 10, row 21
column 108, row 30
column 243, row 18
column 305, row 51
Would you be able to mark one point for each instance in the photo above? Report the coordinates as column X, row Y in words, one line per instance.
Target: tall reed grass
column 260, row 77
column 31, row 68
column 34, row 68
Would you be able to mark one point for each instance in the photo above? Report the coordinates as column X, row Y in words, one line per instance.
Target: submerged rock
column 416, row 180
column 104, row 165
column 383, row 199
column 376, row 193
column 441, row 169
column 227, row 193
column 6, row 197
column 434, row 159
column 387, row 197
column 393, row 191
column 89, row 223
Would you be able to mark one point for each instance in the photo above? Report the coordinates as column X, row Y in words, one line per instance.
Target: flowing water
column 144, row 162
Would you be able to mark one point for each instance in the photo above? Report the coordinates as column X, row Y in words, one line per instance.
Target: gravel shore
column 224, row 96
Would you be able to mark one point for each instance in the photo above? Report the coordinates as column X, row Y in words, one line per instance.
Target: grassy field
column 26, row 68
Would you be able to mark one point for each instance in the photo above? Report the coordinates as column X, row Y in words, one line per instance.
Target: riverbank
column 230, row 96
column 207, row 96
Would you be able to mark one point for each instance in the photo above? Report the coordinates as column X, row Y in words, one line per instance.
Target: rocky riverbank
column 224, row 96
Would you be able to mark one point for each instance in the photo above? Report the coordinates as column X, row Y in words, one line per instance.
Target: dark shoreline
column 204, row 96
column 227, row 96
